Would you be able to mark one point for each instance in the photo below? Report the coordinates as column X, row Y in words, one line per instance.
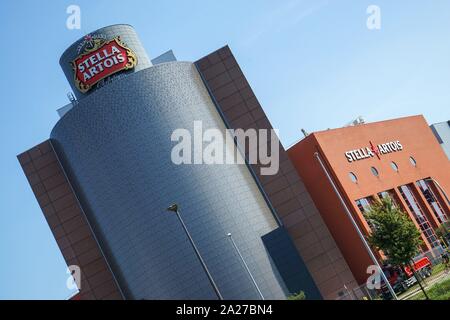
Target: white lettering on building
column 370, row 152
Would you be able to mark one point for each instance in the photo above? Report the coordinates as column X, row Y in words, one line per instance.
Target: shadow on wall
column 289, row 264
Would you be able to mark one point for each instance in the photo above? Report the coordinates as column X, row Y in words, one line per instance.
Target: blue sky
column 312, row 64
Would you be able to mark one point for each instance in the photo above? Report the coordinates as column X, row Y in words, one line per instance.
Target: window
column 364, row 206
column 426, row 187
column 419, row 216
column 394, row 166
column 413, row 161
column 353, row 177
column 374, row 171
column 389, row 194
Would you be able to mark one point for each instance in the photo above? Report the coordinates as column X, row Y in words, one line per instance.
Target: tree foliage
column 393, row 232
column 297, row 296
column 443, row 231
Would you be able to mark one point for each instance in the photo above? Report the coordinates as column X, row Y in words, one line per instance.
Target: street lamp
column 174, row 208
column 245, row 265
column 440, row 188
column 355, row 225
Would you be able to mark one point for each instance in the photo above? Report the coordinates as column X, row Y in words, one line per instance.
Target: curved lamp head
column 173, row 208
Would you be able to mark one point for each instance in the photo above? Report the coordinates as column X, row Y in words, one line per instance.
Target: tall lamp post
column 246, row 266
column 355, row 225
column 174, row 208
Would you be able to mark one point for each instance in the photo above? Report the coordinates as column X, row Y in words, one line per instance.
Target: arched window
column 394, row 166
column 374, row 171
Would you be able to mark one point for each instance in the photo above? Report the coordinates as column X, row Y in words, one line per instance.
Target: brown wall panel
column 68, row 223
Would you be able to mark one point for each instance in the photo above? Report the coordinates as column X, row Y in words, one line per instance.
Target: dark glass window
column 425, row 186
column 419, row 216
column 389, row 194
column 364, row 206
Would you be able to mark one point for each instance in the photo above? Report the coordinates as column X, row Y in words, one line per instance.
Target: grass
column 439, row 291
column 297, row 296
column 437, row 269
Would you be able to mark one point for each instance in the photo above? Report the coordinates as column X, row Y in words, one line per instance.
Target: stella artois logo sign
column 372, row 150
column 99, row 60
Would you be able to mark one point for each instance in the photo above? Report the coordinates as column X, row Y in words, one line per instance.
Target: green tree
column 297, row 296
column 443, row 232
column 394, row 234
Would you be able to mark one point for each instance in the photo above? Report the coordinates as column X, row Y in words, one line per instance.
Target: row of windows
column 394, row 166
column 418, row 210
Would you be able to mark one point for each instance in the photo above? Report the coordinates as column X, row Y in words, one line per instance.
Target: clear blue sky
column 312, row 64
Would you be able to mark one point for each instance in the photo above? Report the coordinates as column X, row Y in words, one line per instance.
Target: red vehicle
column 421, row 266
column 401, row 279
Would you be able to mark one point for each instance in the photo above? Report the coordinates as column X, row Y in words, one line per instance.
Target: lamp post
column 355, row 225
column 246, row 266
column 174, row 208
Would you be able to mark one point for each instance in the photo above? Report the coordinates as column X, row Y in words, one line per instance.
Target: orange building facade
column 398, row 158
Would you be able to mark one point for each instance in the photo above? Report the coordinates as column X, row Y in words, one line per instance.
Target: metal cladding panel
column 116, row 148
column 128, row 37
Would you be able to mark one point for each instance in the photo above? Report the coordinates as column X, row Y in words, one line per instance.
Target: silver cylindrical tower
column 115, row 146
